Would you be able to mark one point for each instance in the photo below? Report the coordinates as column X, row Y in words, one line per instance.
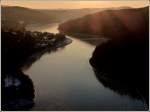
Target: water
column 64, row 80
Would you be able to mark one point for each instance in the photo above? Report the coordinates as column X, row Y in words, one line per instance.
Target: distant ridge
column 111, row 23
column 14, row 14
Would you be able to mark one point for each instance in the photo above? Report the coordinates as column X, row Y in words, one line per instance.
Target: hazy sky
column 74, row 4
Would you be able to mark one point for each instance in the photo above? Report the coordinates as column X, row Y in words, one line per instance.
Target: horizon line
column 71, row 8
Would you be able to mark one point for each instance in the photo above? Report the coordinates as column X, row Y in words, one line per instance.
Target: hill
column 62, row 15
column 13, row 15
column 110, row 23
column 122, row 63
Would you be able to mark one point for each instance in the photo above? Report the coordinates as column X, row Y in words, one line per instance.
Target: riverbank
column 17, row 48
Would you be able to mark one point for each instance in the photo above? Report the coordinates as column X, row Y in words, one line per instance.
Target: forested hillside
column 111, row 23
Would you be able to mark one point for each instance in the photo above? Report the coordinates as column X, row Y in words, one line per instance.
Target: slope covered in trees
column 110, row 23
column 14, row 15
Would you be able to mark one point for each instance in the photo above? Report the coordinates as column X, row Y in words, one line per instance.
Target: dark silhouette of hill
column 110, row 23
column 122, row 63
column 124, row 67
column 62, row 15
column 14, row 14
